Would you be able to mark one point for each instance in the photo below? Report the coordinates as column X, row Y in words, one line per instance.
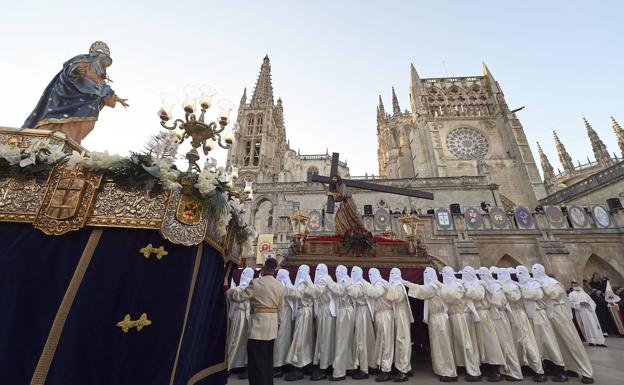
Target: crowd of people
column 496, row 323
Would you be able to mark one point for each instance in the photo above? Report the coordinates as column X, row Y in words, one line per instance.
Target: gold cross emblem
column 149, row 249
column 127, row 323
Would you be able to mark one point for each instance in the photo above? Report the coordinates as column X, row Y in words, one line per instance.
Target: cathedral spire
column 490, row 78
column 547, row 168
column 600, row 150
column 619, row 134
column 564, row 157
column 396, row 110
column 263, row 93
column 381, row 111
column 241, row 105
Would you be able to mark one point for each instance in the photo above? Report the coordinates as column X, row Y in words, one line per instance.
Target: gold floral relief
column 126, row 324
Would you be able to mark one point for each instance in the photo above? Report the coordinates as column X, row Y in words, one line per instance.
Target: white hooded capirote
column 325, row 307
column 570, row 344
column 238, row 315
column 462, row 314
column 403, row 319
column 284, row 334
column 364, row 336
column 433, row 292
column 301, row 350
column 345, row 322
column 380, row 291
column 522, row 331
column 487, row 338
column 500, row 313
column 537, row 311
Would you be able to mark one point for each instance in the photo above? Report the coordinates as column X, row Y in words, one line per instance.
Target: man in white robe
column 364, row 338
column 570, row 343
column 535, row 306
column 284, row 333
column 522, row 331
column 489, row 345
column 435, row 316
column 380, row 291
column 325, row 311
column 462, row 315
column 403, row 320
column 302, row 346
column 585, row 310
column 238, row 315
column 345, row 324
column 500, row 311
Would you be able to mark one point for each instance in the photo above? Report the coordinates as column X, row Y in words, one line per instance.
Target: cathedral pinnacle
column 619, row 134
column 547, row 168
column 564, row 157
column 263, row 93
column 381, row 111
column 600, row 150
column 396, row 110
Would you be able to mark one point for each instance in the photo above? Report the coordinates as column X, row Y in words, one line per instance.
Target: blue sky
column 330, row 61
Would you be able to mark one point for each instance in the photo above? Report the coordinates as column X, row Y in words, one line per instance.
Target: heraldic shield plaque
column 67, row 201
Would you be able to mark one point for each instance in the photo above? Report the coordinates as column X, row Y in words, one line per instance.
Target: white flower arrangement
column 206, row 182
column 168, row 175
column 39, row 152
column 93, row 160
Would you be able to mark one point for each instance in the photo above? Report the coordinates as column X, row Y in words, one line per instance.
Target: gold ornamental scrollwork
column 68, row 200
column 179, row 232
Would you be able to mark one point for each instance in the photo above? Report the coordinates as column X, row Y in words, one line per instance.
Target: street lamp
column 201, row 133
column 410, row 227
column 299, row 222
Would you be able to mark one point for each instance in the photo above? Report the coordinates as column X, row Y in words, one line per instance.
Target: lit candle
column 189, row 105
column 209, row 145
column 234, row 172
column 228, row 137
column 164, row 113
column 248, row 188
column 179, row 132
column 204, row 102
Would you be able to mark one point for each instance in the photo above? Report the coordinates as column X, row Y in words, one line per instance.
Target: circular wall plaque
column 467, row 143
column 555, row 216
column 577, row 216
column 601, row 216
column 473, row 218
column 523, row 217
column 443, row 218
column 498, row 217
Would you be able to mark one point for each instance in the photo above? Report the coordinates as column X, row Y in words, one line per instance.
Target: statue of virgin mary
column 72, row 101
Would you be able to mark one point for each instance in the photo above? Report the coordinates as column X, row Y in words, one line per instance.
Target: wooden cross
column 362, row 185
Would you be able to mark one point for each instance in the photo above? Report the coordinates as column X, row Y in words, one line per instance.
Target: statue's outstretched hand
column 122, row 102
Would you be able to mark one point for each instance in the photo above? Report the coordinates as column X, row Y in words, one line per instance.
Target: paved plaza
column 608, row 369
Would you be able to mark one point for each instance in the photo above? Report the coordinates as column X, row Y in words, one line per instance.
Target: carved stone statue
column 72, row 101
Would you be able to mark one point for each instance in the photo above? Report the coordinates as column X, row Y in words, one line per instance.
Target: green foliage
column 357, row 241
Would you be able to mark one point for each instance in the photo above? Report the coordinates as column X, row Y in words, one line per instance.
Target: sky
column 330, row 60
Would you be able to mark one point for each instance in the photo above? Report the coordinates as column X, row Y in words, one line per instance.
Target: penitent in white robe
column 487, row 338
column 438, row 324
column 302, row 347
column 238, row 332
column 585, row 311
column 574, row 354
column 383, row 296
column 465, row 347
column 403, row 320
column 345, row 327
column 325, row 325
column 364, row 337
column 285, row 331
column 498, row 310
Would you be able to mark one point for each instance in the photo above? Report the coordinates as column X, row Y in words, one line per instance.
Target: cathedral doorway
column 596, row 264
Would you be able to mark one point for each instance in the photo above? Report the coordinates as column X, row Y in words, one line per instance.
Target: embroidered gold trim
column 209, row 371
column 200, row 249
column 49, row 349
column 65, row 120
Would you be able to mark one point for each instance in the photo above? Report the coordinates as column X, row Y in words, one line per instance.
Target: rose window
column 467, row 143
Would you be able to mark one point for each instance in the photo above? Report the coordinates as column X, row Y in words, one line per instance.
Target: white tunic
column 585, row 311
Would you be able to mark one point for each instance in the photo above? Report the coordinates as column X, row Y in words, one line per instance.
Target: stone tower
column 463, row 126
column 394, row 153
column 619, row 134
column 261, row 137
column 598, row 146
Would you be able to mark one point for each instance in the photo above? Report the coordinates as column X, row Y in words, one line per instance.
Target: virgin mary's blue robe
column 71, row 97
